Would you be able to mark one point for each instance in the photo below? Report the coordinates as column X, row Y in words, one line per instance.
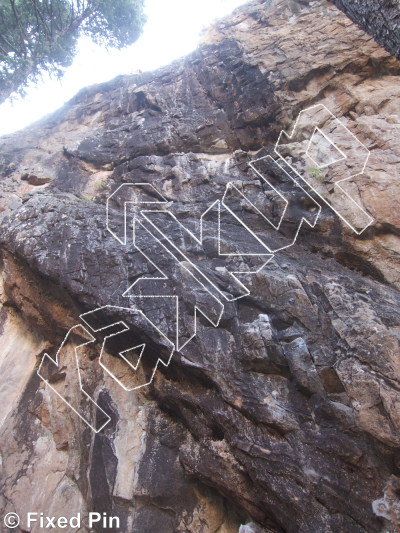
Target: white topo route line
column 316, row 122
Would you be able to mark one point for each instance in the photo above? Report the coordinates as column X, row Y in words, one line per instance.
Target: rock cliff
column 378, row 18
column 271, row 290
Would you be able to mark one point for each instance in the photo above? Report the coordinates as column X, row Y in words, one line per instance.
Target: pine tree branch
column 3, row 51
column 52, row 21
column 72, row 14
column 8, row 43
column 39, row 15
column 14, row 84
column 17, row 18
column 60, row 18
column 76, row 20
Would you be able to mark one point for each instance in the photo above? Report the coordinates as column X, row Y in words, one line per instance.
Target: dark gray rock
column 285, row 416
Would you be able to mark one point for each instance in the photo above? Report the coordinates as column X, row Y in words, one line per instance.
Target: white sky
column 172, row 31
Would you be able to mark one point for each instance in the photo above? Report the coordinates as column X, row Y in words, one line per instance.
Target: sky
column 172, row 31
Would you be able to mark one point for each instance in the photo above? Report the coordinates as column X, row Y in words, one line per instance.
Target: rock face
column 280, row 408
column 378, row 18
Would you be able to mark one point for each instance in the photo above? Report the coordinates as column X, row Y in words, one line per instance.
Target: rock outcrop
column 283, row 415
column 379, row 18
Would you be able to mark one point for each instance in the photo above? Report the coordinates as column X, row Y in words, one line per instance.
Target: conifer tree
column 40, row 36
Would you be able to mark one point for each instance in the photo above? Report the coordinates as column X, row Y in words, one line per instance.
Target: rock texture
column 380, row 19
column 283, row 418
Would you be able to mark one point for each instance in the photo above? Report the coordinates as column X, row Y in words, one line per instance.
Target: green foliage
column 316, row 173
column 38, row 36
column 100, row 185
column 116, row 23
column 88, row 199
